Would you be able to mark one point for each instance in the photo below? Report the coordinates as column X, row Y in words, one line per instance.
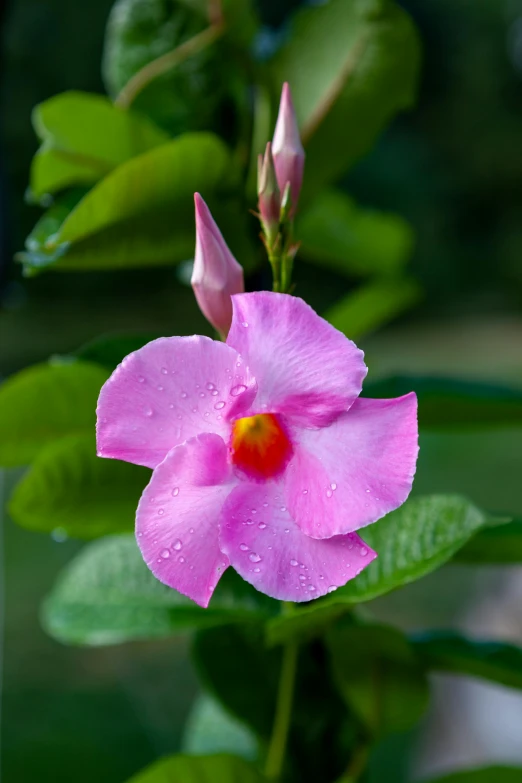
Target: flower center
column 260, row 445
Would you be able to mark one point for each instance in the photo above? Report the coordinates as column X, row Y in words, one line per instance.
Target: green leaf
column 379, row 676
column 85, row 136
column 210, row 729
column 70, row 489
column 339, row 235
column 450, row 402
column 46, row 402
column 412, row 541
column 107, row 595
column 450, row 652
column 483, row 775
column 498, row 544
column 351, row 67
column 110, row 350
column 199, row 769
column 141, row 213
column 373, row 305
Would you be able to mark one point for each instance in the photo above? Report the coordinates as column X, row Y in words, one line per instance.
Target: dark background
column 453, row 167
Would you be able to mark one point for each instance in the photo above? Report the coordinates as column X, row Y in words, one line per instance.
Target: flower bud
column 216, row 274
column 269, row 202
column 287, row 149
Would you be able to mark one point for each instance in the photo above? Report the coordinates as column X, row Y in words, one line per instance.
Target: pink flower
column 287, row 149
column 269, row 201
column 216, row 275
column 264, row 456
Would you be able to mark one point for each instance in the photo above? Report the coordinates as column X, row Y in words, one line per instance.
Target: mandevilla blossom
column 287, row 149
column 216, row 274
column 264, row 455
column 269, row 197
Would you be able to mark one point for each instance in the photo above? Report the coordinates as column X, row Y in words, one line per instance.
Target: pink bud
column 287, row 148
column 216, row 274
column 269, row 201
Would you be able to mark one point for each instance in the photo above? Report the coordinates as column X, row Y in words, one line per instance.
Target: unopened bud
column 269, row 198
column 287, row 149
column 216, row 274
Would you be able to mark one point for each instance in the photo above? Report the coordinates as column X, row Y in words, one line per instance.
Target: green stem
column 276, row 750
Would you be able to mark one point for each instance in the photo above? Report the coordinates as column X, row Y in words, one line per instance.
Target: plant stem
column 277, row 748
column 163, row 64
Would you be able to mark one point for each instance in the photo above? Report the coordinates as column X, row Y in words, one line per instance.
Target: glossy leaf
column 420, row 536
column 108, row 595
column 379, row 676
column 337, row 234
column 482, row 775
column 373, row 305
column 85, row 136
column 451, row 402
column 351, row 67
column 209, row 729
column 141, row 213
column 46, row 402
column 495, row 545
column 68, row 488
column 450, row 652
column 199, row 769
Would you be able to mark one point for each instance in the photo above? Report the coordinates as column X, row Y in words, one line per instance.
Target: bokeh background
column 453, row 168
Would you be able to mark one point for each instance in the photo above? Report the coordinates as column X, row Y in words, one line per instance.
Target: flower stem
column 285, row 696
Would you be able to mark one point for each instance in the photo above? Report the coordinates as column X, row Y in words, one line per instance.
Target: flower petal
column 304, row 367
column 178, row 515
column 269, row 550
column 167, row 392
column 352, row 473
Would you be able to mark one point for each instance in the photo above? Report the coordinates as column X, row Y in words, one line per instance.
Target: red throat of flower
column 260, row 446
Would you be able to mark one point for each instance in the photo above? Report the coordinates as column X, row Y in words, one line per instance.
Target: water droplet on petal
column 165, row 554
column 302, row 578
column 261, row 526
column 257, row 570
column 305, row 492
column 175, row 492
column 161, row 511
column 329, row 493
column 148, row 411
column 364, row 551
column 293, row 562
column 219, row 405
column 164, row 371
column 333, row 486
column 160, row 388
column 332, row 589
column 287, row 530
column 177, row 545
column 283, row 508
column 244, row 547
column 244, row 323
column 209, row 386
column 254, row 557
column 141, row 379
column 184, row 395
column 250, row 521
column 181, row 559
column 235, row 391
column 311, row 588
column 171, row 405
column 367, row 490
column 214, row 392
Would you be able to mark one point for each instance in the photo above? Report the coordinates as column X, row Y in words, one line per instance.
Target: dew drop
column 141, row 379
column 181, row 559
column 311, row 588
column 368, row 491
column 214, row 392
column 191, row 530
column 235, row 391
column 364, row 551
column 305, row 492
column 184, row 395
column 165, row 554
column 175, row 492
column 333, row 487
column 177, row 544
column 160, row 388
column 244, row 323
column 209, row 386
column 171, row 405
column 219, row 405
column 257, row 570
column 243, row 547
column 254, row 557
column 302, row 578
column 265, row 505
column 293, row 562
column 59, row 535
column 164, row 371
column 329, row 493
column 332, row 589
column 148, row 411
column 161, row 511
column 261, row 526
column 202, row 394
column 287, row 530
column 283, row 508
column 249, row 521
